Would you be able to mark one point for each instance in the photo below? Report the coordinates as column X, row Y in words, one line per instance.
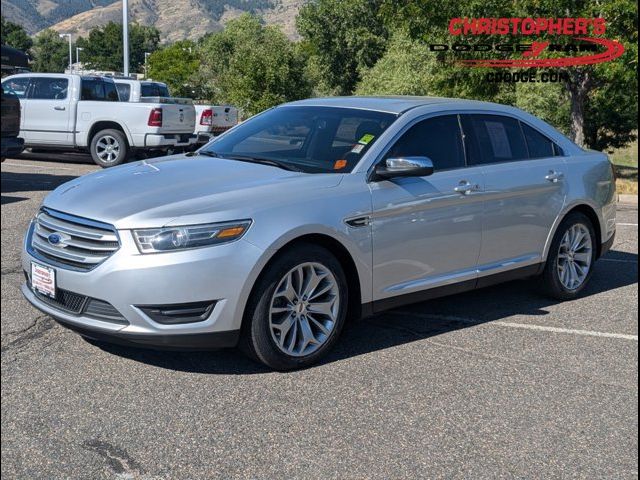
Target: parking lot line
column 526, row 326
column 627, row 224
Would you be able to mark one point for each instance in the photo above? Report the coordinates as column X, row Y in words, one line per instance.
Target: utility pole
column 78, row 49
column 68, row 35
column 146, row 57
column 125, row 36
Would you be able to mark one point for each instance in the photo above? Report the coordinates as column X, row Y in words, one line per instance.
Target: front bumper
column 11, row 146
column 195, row 341
column 128, row 281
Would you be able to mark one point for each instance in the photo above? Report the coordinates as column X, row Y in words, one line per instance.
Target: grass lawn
column 625, row 161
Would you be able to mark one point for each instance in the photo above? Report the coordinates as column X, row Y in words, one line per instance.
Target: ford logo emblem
column 57, row 239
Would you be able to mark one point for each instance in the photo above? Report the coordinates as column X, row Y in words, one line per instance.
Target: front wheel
column 571, row 258
column 297, row 309
column 109, row 148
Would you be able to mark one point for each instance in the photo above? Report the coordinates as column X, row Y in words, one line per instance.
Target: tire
column 109, row 148
column 272, row 307
column 555, row 282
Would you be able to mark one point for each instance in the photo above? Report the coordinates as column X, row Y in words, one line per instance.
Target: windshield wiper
column 263, row 161
column 207, row 153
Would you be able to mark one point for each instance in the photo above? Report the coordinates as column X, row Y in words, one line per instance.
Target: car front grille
column 66, row 301
column 72, row 242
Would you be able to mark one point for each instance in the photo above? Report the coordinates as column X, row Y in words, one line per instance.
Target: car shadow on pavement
column 408, row 324
column 30, row 182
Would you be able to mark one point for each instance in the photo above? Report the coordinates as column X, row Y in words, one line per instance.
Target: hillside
column 176, row 19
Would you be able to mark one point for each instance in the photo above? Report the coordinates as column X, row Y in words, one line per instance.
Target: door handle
column 465, row 187
column 59, row 108
column 554, row 176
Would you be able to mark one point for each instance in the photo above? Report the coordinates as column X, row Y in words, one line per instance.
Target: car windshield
column 308, row 139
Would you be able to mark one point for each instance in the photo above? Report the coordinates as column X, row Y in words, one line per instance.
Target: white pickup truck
column 65, row 111
column 210, row 120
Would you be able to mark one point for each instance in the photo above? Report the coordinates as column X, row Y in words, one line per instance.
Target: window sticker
column 499, row 140
column 366, row 138
column 357, row 148
column 340, row 164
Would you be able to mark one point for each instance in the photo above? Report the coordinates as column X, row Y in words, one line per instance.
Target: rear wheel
column 571, row 257
column 109, row 148
column 297, row 309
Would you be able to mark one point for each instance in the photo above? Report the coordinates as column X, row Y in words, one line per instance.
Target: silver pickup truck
column 73, row 112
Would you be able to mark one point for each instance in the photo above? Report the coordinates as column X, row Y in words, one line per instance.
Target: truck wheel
column 109, row 148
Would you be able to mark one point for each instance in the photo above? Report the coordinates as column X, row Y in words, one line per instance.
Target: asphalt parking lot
column 497, row 383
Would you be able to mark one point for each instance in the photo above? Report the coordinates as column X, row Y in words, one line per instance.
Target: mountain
column 176, row 19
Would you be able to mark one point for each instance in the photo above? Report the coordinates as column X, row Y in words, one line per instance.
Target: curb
column 628, row 199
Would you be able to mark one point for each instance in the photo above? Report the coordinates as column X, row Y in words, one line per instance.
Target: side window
column 438, row 138
column 45, row 88
column 124, row 91
column 16, row 86
column 539, row 146
column 110, row 92
column 92, row 89
column 497, row 139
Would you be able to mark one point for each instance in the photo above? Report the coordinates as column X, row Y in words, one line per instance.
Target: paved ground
column 496, row 383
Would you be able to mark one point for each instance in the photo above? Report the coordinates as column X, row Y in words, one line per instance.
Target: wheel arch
column 336, row 248
column 105, row 125
column 590, row 212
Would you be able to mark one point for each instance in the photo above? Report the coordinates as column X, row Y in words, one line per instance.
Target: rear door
column 525, row 189
column 47, row 112
column 427, row 230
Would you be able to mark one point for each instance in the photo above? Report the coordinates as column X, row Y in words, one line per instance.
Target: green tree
column 15, row 36
column 342, row 38
column 50, row 52
column 252, row 66
column 602, row 99
column 177, row 66
column 102, row 49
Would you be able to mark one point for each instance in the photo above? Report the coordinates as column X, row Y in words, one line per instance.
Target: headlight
column 168, row 239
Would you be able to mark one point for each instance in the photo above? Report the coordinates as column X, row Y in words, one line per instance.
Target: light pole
column 68, row 35
column 78, row 50
column 146, row 57
column 125, row 36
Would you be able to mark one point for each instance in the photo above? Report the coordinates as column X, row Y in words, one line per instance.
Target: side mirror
column 404, row 167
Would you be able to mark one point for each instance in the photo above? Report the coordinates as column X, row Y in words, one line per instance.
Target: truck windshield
column 309, row 139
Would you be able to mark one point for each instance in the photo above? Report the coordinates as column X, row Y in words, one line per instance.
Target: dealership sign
column 582, row 49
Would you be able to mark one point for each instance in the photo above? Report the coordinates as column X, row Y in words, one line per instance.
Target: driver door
column 427, row 230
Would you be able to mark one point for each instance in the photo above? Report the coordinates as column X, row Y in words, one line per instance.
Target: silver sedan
column 275, row 233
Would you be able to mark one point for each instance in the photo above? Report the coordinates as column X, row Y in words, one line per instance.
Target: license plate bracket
column 43, row 279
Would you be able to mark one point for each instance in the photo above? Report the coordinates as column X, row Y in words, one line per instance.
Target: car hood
column 180, row 189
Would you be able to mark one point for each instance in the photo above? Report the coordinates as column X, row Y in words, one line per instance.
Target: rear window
column 124, row 90
column 539, row 146
column 497, row 139
column 94, row 89
column 154, row 90
column 44, row 88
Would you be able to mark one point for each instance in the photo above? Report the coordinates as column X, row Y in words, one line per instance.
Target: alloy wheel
column 574, row 256
column 108, row 149
column 304, row 309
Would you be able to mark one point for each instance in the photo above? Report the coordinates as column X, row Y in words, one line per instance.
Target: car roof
column 391, row 104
